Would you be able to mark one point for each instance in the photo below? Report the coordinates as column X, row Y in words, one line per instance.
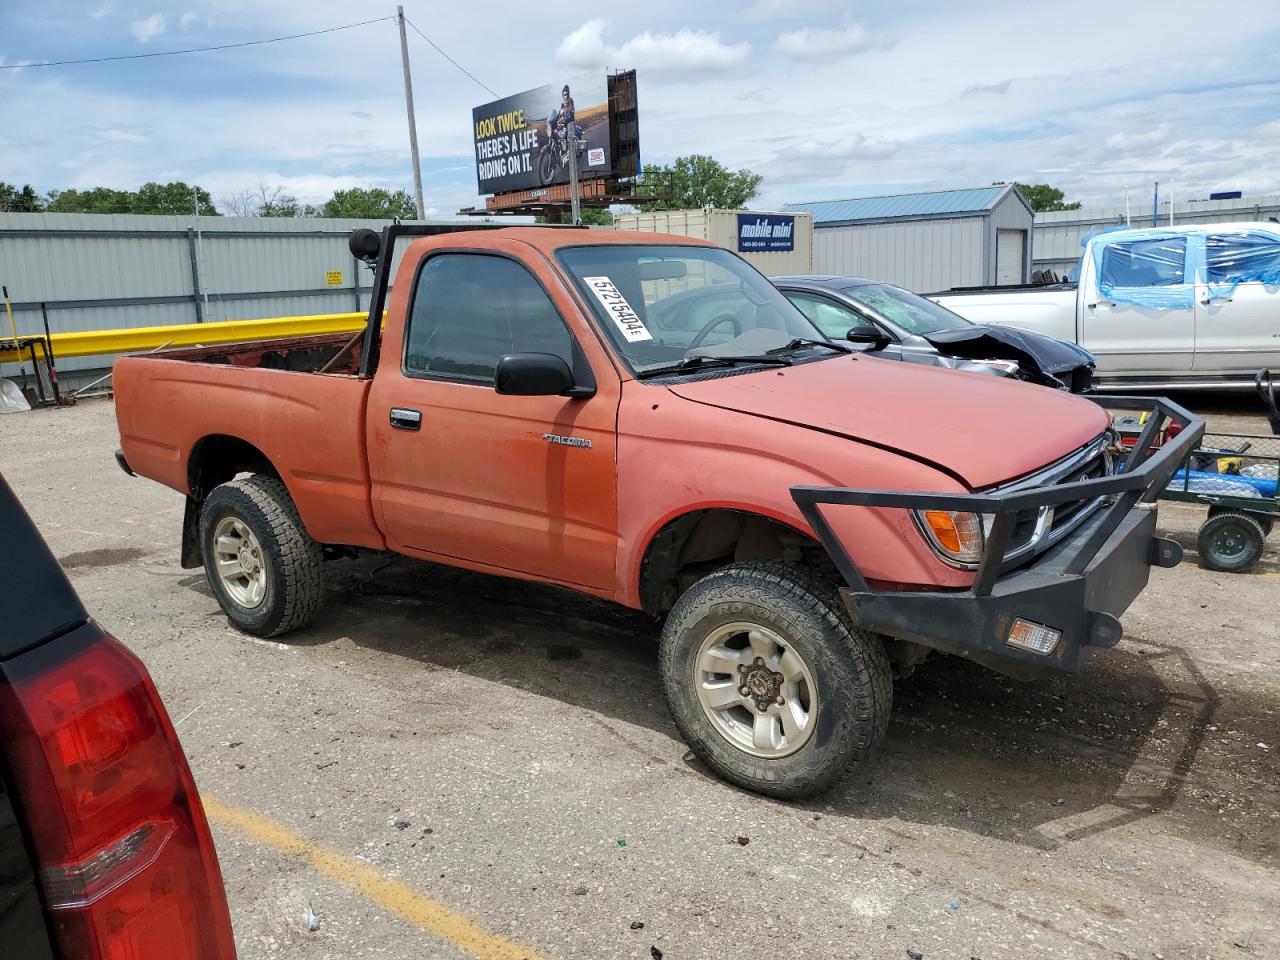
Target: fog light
column 1035, row 637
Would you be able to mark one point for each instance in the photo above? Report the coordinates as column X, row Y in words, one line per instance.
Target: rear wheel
column 262, row 565
column 768, row 681
column 1230, row 541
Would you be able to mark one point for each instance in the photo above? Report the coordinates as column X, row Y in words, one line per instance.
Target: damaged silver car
column 891, row 322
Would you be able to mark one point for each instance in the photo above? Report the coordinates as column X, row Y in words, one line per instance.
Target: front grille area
column 1037, row 529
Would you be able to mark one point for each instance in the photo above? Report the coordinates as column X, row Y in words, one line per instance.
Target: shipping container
column 776, row 243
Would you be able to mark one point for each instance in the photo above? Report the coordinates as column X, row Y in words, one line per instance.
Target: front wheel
column 768, row 681
column 262, row 565
column 547, row 165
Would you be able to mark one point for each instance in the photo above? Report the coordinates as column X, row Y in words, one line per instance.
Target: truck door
column 459, row 472
column 1238, row 304
column 1137, row 307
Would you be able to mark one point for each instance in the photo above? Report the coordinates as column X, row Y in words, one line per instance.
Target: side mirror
column 533, row 375
column 364, row 244
column 875, row 339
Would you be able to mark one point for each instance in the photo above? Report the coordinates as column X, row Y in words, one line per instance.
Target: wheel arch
column 214, row 459
column 700, row 539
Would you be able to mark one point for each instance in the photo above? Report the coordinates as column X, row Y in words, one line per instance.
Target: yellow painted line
column 87, row 343
column 408, row 904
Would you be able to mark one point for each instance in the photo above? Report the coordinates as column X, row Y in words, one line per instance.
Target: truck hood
column 982, row 430
column 978, row 342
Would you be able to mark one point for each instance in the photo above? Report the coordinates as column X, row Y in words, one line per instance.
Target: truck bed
column 270, row 397
column 295, row 354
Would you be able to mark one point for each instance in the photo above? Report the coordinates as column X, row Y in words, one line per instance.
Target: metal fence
column 1058, row 234
column 103, row 272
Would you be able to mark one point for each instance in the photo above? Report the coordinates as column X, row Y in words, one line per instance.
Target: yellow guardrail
column 88, row 343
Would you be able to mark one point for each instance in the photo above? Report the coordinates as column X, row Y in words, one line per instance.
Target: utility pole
column 413, row 126
column 575, row 206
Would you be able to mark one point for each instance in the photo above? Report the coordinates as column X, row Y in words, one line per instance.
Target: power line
column 446, row 56
column 221, row 46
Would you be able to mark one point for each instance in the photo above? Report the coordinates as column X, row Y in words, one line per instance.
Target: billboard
column 521, row 140
column 759, row 232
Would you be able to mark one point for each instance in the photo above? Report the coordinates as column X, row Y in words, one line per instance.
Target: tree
column 597, row 216
column 265, row 202
column 697, row 181
column 164, row 199
column 1042, row 197
column 19, row 200
column 369, row 203
column 591, row 216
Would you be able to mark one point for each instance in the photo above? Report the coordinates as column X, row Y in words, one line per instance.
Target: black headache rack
column 379, row 251
column 1079, row 587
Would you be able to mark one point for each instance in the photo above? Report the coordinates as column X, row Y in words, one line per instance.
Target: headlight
column 955, row 536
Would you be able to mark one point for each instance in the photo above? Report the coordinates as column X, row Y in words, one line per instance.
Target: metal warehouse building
column 1058, row 235
column 925, row 241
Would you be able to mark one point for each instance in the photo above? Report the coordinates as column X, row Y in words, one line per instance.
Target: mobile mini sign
column 760, row 232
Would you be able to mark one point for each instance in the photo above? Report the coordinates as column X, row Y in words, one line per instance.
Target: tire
column 258, row 514
column 1230, row 541
column 841, row 687
column 1265, row 523
column 547, row 165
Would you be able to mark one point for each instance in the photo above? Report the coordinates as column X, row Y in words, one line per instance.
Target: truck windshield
column 664, row 305
column 907, row 311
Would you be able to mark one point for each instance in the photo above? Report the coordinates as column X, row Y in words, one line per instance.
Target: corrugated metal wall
column 102, row 272
column 1058, row 234
column 921, row 255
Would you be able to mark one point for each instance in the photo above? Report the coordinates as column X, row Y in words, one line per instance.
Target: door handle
column 1210, row 300
column 402, row 418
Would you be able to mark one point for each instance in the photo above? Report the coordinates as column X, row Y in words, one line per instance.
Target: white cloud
column 99, row 12
column 187, row 20
column 789, row 9
column 819, row 43
column 682, row 52
column 1131, row 141
column 151, row 27
column 977, row 89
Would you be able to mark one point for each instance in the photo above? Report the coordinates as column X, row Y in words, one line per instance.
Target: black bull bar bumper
column 1080, row 586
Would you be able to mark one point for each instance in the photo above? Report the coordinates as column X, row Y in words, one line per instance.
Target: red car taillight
column 125, row 855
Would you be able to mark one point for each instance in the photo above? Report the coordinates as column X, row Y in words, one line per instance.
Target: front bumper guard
column 1080, row 586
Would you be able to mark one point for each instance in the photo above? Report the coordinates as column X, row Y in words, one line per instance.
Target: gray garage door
column 1010, row 247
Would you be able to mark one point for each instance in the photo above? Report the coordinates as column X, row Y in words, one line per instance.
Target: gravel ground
column 503, row 749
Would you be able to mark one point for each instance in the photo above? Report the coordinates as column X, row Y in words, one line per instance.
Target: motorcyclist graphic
column 555, row 153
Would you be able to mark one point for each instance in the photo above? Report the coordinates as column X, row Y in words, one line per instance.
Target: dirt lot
column 447, row 764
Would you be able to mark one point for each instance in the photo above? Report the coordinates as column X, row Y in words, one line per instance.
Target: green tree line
column 181, row 199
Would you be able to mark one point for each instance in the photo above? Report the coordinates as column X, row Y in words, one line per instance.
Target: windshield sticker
column 615, row 304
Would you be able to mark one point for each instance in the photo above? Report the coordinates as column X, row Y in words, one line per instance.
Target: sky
column 824, row 99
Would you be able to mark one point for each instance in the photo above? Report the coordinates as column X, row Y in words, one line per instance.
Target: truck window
column 1157, row 262
column 470, row 309
column 1242, row 257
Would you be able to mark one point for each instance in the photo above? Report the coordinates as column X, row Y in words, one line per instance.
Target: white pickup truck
column 1160, row 308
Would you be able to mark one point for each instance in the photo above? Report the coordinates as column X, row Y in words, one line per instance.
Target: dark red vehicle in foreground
column 104, row 848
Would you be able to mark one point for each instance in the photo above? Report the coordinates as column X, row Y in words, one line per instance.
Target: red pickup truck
column 541, row 403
